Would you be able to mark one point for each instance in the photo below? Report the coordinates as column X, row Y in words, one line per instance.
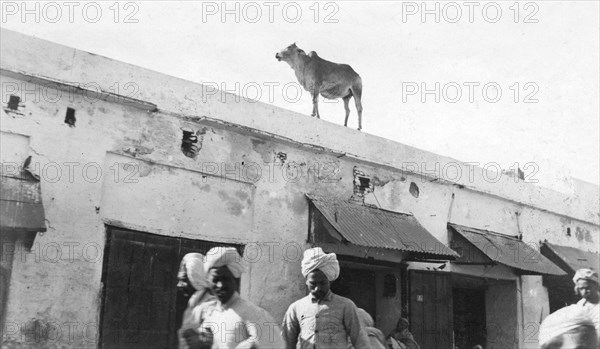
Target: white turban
column 315, row 258
column 224, row 256
column 585, row 274
column 194, row 267
column 562, row 321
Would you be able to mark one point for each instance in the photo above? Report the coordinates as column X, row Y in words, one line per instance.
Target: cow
column 319, row 76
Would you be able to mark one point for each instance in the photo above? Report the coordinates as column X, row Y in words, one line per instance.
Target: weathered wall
column 122, row 165
column 186, row 98
column 534, row 308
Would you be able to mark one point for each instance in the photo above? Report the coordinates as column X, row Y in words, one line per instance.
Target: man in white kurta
column 568, row 328
column 233, row 322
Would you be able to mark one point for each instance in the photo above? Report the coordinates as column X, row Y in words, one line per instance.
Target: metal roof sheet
column 508, row 250
column 373, row 227
column 574, row 258
column 21, row 203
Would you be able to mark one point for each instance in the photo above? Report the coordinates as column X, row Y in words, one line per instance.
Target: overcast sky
column 518, row 82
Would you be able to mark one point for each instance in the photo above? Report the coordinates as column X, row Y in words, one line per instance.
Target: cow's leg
column 315, row 98
column 357, row 93
column 347, row 108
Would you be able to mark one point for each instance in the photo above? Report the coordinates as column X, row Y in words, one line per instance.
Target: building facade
column 111, row 173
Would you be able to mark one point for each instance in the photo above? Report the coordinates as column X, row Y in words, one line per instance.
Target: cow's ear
column 301, row 51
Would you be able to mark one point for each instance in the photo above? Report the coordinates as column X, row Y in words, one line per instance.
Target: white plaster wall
column 534, row 309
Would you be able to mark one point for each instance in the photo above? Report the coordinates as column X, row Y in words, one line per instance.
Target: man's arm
column 290, row 328
column 357, row 335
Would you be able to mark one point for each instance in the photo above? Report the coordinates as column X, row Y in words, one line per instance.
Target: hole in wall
column 568, row 231
column 365, row 183
column 13, row 102
column 414, row 190
column 362, row 186
column 70, row 117
column 189, row 142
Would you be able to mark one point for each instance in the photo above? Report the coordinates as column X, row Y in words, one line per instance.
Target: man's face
column 318, row 284
column 222, row 283
column 183, row 283
column 587, row 289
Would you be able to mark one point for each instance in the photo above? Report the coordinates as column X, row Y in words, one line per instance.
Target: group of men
column 217, row 317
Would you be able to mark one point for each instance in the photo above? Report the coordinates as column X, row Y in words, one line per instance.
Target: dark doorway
column 469, row 317
column 359, row 286
column 560, row 291
column 141, row 307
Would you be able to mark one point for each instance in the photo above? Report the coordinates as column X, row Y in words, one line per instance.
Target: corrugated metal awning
column 507, row 250
column 367, row 226
column 570, row 259
column 21, row 206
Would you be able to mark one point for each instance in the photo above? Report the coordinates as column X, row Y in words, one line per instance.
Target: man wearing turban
column 567, row 328
column 232, row 322
column 322, row 319
column 192, row 283
column 586, row 286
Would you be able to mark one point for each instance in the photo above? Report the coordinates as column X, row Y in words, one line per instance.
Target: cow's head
column 289, row 53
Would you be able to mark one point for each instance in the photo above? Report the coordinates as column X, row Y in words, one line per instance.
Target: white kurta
column 593, row 310
column 239, row 324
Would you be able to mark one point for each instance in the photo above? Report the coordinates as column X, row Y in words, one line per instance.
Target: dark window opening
column 568, row 231
column 13, row 102
column 365, row 183
column 70, row 117
column 389, row 285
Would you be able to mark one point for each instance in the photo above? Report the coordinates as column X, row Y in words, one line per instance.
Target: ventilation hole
column 365, row 183
column 414, row 189
column 282, row 156
column 389, row 285
column 188, row 143
column 568, row 231
column 70, row 117
column 13, row 102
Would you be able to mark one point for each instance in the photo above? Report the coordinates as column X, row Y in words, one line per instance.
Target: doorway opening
column 469, row 317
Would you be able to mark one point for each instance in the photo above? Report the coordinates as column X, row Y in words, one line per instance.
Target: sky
column 496, row 83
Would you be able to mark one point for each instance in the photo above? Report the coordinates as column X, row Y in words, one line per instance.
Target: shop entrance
column 469, row 317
